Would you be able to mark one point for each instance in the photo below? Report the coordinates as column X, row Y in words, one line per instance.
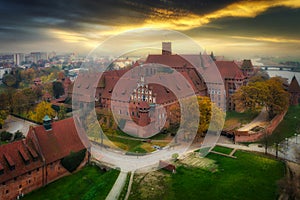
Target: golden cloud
column 183, row 20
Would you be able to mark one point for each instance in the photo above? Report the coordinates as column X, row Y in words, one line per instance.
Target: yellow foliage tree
column 42, row 109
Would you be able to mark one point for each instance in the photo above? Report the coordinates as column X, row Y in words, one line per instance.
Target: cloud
column 87, row 22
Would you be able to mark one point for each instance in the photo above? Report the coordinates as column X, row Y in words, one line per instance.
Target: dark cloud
column 28, row 21
column 275, row 22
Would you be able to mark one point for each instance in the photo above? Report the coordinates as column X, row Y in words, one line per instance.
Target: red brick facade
column 31, row 163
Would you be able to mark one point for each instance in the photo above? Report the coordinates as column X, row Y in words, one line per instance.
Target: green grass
column 287, row 128
column 87, row 184
column 224, row 150
column 132, row 145
column 250, row 176
column 244, row 117
column 3, row 142
column 124, row 191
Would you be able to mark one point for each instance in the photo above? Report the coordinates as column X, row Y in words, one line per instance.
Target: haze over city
column 236, row 29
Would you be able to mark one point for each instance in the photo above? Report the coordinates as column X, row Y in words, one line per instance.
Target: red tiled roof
column 229, row 70
column 294, row 86
column 169, row 60
column 59, row 142
column 11, row 156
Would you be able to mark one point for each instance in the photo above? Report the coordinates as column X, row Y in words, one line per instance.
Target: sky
column 231, row 28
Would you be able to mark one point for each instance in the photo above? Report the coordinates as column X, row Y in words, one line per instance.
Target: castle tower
column 294, row 90
column 166, row 48
column 143, row 110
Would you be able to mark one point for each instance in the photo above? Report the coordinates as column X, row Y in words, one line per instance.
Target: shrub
column 5, row 136
column 72, row 161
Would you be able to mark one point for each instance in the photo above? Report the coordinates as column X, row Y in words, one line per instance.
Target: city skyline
column 232, row 28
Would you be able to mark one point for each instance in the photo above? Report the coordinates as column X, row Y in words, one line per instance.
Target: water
column 285, row 74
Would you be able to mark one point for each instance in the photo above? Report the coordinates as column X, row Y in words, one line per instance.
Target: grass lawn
column 235, row 119
column 287, row 127
column 87, row 184
column 224, row 150
column 250, row 176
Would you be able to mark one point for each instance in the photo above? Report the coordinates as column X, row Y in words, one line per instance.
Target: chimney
column 47, row 123
column 166, row 48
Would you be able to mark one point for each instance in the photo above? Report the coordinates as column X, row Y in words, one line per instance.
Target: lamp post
column 276, row 149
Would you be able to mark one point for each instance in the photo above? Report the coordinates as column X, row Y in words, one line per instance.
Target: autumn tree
column 3, row 116
column 269, row 94
column 20, row 102
column 62, row 113
column 41, row 110
column 9, row 80
column 58, row 89
column 210, row 115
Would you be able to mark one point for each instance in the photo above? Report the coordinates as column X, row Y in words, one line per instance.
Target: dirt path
column 260, row 120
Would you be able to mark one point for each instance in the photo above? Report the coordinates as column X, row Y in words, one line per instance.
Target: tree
column 210, row 115
column 41, row 110
column 3, row 116
column 62, row 113
column 18, row 135
column 58, row 89
column 258, row 94
column 20, row 102
column 9, row 80
column 5, row 136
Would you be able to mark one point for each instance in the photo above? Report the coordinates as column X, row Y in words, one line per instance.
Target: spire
column 294, row 86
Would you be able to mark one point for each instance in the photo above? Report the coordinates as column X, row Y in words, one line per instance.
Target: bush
column 18, row 135
column 5, row 136
column 72, row 161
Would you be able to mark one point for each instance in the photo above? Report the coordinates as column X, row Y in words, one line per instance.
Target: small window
column 7, row 191
column 20, row 186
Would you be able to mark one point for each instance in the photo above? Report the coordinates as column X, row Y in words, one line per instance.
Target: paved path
column 129, row 185
column 13, row 124
column 260, row 120
column 118, row 187
column 287, row 149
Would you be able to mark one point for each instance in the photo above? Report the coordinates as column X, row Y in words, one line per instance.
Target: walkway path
column 287, row 150
column 13, row 124
column 118, row 187
column 260, row 120
column 129, row 185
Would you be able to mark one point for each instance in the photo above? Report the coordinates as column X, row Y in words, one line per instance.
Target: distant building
column 7, row 58
column 34, row 162
column 37, row 56
column 294, row 90
column 19, row 59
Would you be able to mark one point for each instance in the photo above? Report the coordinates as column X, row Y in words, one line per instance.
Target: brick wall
column 33, row 180
column 244, row 136
column 22, row 184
